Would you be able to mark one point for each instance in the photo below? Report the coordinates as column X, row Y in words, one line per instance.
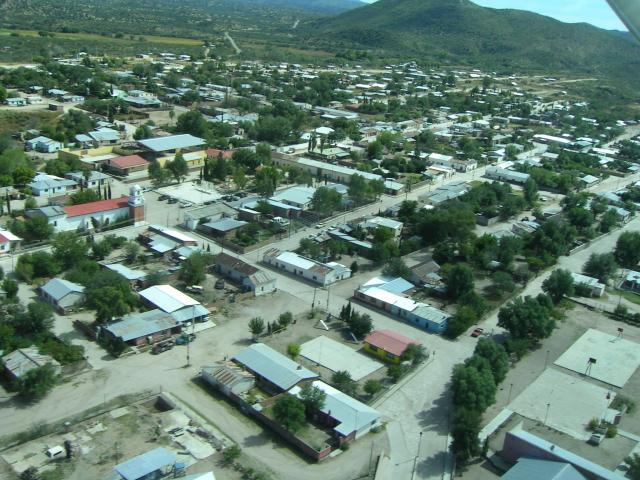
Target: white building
column 321, row 273
column 43, row 144
column 180, row 306
column 49, row 185
column 595, row 288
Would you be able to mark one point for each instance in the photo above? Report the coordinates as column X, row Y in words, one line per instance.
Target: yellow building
column 387, row 345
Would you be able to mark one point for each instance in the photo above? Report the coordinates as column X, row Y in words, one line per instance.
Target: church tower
column 136, row 205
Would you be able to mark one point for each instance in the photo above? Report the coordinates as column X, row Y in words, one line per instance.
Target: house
column 251, row 278
column 164, row 149
column 34, row 100
column 273, row 371
column 164, row 241
column 298, row 196
column 154, row 464
column 20, row 361
column 393, row 226
column 451, row 162
column 49, row 185
column 445, row 193
column 536, row 469
column 62, row 294
column 349, row 418
column 631, row 281
column 180, row 306
column 8, row 241
column 426, row 274
column 223, row 227
column 415, row 313
column 16, row 101
column 135, row 277
column 90, row 179
column 590, row 284
column 43, row 144
column 312, row 270
column 505, row 175
column 228, row 378
column 387, row 345
column 206, row 213
column 143, row 328
column 126, row 165
column 98, row 137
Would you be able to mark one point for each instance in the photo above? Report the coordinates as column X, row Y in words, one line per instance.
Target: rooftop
column 22, row 360
column 141, row 324
column 167, row 298
column 536, row 469
column 57, row 288
column 389, row 341
column 172, row 142
column 142, row 465
column 96, row 207
column 128, row 162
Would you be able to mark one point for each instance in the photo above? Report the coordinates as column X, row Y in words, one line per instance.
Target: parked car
column 185, row 338
column 162, row 347
column 477, row 332
column 163, row 197
column 219, row 284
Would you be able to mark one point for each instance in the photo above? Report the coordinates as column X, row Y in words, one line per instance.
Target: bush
column 231, row 454
column 372, row 387
column 293, row 349
column 395, row 372
column 593, row 424
column 285, row 319
column 612, row 431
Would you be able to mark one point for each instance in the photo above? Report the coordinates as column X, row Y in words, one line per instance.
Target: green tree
column 231, row 454
column 37, row 382
column 239, row 178
column 84, row 196
column 530, row 191
column 358, row 189
column 473, row 385
column 312, row 397
column 256, row 326
column 37, row 229
column 109, row 303
column 634, row 466
column 609, row 220
column 459, row 280
column 627, row 251
column 285, row 319
column 178, row 167
column 325, row 201
column 342, row 381
column 464, row 434
column 10, row 287
column 267, row 179
column 461, row 321
column 559, row 284
column 158, row 175
column 601, row 266
column 372, row 386
column 192, row 122
column 3, row 94
column 502, row 284
column 360, row 324
column 527, row 318
column 289, row 412
column 193, row 269
column 293, row 350
column 396, row 267
column 142, row 132
column 395, row 372
column 497, row 357
column 414, row 353
column 69, row 248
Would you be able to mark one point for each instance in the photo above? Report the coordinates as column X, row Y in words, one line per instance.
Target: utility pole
column 193, row 326
column 415, row 459
column 313, row 303
column 328, row 295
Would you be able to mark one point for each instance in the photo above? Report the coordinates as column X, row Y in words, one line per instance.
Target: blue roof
column 225, row 224
column 535, row 469
column 141, row 324
column 144, row 464
column 173, row 142
column 397, row 285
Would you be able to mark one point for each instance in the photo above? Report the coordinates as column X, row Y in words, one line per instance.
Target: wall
column 84, row 221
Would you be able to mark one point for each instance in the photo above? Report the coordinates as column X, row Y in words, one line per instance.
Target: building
column 8, row 241
column 398, row 305
column 631, row 280
column 206, row 213
column 388, row 224
column 164, row 241
column 99, row 137
column 506, row 175
column 299, row 197
column 535, row 469
column 16, row 101
column 135, row 277
column 49, row 185
column 62, row 294
column 154, row 464
column 164, row 149
column 126, row 165
column 180, row 306
column 251, row 278
column 91, row 179
column 143, row 328
column 272, row 370
column 349, row 418
column 43, row 144
column 427, row 274
column 387, row 345
column 445, row 193
column 321, row 273
column 451, row 162
column 590, row 284
column 22, row 360
column 228, row 378
column 223, row 227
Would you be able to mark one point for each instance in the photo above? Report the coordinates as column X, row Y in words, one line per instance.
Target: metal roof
column 22, row 360
column 172, row 142
column 127, row 272
column 350, row 414
column 167, row 298
column 187, row 314
column 273, row 366
column 141, row 324
column 389, row 341
column 58, row 288
column 535, row 469
column 298, row 195
column 143, row 465
column 225, row 224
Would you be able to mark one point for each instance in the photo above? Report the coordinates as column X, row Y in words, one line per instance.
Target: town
column 252, row 270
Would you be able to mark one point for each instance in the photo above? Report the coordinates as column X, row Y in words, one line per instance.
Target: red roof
column 215, row 153
column 127, row 162
column 96, row 207
column 389, row 341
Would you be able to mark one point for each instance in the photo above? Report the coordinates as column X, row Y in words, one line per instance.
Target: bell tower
column 136, row 205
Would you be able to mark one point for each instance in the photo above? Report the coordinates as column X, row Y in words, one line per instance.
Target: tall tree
column 559, row 284
column 527, row 318
column 627, row 251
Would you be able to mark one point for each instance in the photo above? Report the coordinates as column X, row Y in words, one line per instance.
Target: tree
column 285, row 319
column 142, row 132
column 256, row 326
column 193, row 269
column 414, row 353
column 461, row 321
column 360, row 324
column 527, row 318
column 609, row 220
column 158, row 175
column 634, row 466
column 178, row 167
column 231, row 454
column 396, row 267
column 192, row 122
column 3, row 94
column 497, row 357
column 84, row 196
column 627, row 251
column 601, row 266
column 501, row 284
column 37, row 382
column 464, row 433
column 289, row 412
column 473, row 385
column 38, row 228
column 30, row 473
column 530, row 191
column 267, row 179
column 293, row 350
column 559, row 284
column 313, row 398
column 395, row 372
column 10, row 287
column 358, row 189
column 342, row 381
column 325, row 201
column 459, row 281
column 239, row 178
column 69, row 248
column 371, row 387
column 109, row 303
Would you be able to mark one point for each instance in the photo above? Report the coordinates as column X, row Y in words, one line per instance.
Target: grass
column 102, row 38
column 14, row 121
column 630, row 296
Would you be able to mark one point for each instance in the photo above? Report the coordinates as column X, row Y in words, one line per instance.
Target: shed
column 20, row 361
column 143, row 466
column 62, row 294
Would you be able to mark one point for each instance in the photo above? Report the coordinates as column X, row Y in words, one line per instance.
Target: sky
column 596, row 12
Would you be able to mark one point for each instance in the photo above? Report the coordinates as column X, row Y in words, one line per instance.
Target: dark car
column 162, row 347
column 219, row 284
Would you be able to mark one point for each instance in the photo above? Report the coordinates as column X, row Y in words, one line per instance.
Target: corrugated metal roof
column 296, row 260
column 351, row 414
column 535, row 469
column 225, row 224
column 299, row 195
column 141, row 324
column 187, row 314
column 172, row 142
column 58, row 288
column 127, row 272
column 273, row 366
column 144, row 464
column 389, row 341
column 167, row 298
column 22, row 360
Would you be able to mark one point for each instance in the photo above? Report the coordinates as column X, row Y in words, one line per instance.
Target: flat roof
column 335, row 356
column 172, row 142
column 142, row 465
column 167, row 298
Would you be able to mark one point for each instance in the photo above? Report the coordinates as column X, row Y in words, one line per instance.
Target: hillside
column 459, row 31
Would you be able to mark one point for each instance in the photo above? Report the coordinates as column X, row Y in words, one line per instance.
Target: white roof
column 9, row 236
column 390, row 298
column 175, row 234
column 351, row 414
column 167, row 298
column 385, row 222
column 296, row 260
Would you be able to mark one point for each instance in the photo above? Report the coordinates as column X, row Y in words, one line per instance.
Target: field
column 15, row 121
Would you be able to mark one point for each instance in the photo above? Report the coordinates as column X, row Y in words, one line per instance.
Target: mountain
column 461, row 32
